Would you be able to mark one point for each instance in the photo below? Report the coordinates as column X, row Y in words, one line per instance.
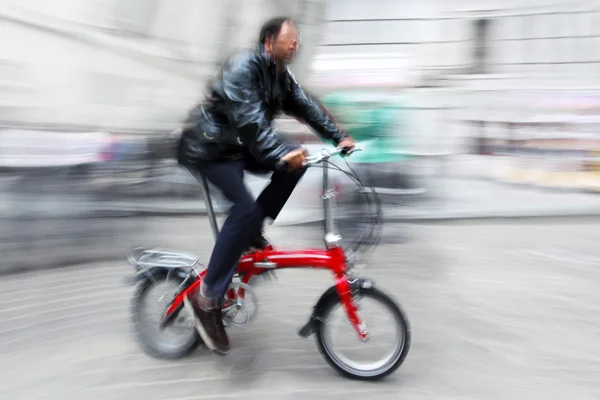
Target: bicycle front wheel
column 389, row 336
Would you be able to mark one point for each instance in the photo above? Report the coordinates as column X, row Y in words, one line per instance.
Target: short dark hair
column 272, row 28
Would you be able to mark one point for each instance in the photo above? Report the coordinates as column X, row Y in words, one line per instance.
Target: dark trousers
column 245, row 218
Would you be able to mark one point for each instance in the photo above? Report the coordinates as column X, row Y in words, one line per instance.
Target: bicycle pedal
column 265, row 265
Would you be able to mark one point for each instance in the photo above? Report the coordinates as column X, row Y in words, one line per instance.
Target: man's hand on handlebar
column 297, row 159
column 294, row 159
column 347, row 144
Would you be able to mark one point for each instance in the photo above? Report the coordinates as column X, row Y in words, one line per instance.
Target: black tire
column 399, row 355
column 148, row 344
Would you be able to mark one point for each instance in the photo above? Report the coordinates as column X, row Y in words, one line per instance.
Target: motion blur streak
column 468, row 109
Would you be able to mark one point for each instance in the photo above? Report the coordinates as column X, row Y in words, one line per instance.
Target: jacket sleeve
column 304, row 106
column 247, row 114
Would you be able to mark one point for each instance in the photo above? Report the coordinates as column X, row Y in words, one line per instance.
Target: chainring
column 236, row 304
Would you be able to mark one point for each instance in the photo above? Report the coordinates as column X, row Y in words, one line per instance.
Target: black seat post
column 212, row 218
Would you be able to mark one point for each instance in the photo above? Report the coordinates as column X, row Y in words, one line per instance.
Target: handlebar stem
column 327, row 196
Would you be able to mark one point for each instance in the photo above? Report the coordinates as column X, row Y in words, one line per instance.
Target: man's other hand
column 295, row 158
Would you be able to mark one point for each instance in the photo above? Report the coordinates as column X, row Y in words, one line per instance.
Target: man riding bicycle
column 232, row 132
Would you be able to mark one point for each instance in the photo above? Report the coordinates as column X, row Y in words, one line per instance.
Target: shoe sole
column 203, row 334
column 208, row 341
column 222, row 352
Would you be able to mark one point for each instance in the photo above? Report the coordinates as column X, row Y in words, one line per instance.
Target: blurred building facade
column 529, row 37
column 125, row 65
column 140, row 64
column 474, row 63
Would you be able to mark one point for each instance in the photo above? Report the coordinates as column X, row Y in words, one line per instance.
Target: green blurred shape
column 373, row 118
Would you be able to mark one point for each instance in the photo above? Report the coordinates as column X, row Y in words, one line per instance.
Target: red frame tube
column 332, row 259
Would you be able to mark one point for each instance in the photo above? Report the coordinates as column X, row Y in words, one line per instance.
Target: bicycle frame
column 333, row 258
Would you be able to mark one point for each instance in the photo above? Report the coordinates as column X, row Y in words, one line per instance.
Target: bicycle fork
column 345, row 293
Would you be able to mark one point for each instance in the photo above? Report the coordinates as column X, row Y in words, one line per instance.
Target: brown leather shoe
column 209, row 323
column 222, row 344
column 258, row 243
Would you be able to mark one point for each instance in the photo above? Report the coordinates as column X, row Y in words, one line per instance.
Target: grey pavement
column 503, row 310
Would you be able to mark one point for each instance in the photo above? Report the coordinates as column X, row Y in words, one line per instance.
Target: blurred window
column 482, row 46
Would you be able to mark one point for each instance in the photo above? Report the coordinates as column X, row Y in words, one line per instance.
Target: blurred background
column 473, row 113
column 467, row 108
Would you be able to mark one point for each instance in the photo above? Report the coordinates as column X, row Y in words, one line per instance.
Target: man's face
column 284, row 46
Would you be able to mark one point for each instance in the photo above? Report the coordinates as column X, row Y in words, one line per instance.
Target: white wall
column 529, row 37
column 77, row 84
column 534, row 45
column 124, row 64
column 150, row 80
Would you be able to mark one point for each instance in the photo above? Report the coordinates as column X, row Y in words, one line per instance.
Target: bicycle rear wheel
column 384, row 359
column 150, row 303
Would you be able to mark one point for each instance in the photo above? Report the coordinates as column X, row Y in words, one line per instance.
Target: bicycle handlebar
column 322, row 156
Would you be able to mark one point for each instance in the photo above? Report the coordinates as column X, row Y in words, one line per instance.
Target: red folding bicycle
column 166, row 277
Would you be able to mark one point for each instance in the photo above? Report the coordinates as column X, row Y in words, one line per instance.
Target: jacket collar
column 265, row 60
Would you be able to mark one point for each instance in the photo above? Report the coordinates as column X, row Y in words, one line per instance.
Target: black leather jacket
column 236, row 121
